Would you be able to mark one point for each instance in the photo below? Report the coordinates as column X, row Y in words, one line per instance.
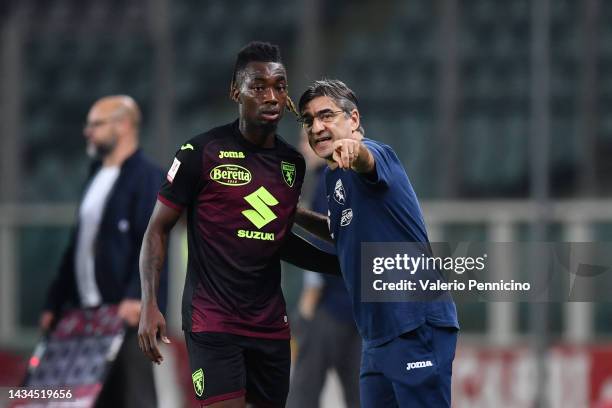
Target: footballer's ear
column 234, row 92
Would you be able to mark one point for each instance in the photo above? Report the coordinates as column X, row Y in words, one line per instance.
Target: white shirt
column 90, row 214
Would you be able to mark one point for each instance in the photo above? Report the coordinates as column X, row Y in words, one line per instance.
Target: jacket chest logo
column 346, row 217
column 339, row 193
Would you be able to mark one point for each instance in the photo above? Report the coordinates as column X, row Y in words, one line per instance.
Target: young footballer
column 239, row 185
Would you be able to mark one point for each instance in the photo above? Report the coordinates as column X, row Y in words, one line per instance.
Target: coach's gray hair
column 335, row 89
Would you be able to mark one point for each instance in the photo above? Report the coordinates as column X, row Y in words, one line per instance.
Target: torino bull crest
column 198, row 382
column 288, row 171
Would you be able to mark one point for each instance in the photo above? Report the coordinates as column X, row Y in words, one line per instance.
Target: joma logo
column 419, row 364
column 231, row 155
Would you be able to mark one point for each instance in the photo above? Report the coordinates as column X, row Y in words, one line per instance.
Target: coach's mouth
column 322, row 139
column 322, row 144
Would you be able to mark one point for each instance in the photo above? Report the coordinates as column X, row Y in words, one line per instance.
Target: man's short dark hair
column 255, row 51
column 342, row 95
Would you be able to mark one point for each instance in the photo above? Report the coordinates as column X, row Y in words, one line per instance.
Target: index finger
column 345, row 156
column 336, row 155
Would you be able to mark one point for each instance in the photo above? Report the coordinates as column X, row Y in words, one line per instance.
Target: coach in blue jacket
column 100, row 265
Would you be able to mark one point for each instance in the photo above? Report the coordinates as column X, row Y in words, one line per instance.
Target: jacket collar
column 126, row 165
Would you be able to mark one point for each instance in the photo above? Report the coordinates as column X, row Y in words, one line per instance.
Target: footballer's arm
column 314, row 223
column 303, row 254
column 152, row 256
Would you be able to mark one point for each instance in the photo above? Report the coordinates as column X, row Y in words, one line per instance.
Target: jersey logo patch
column 231, row 155
column 346, row 217
column 231, row 175
column 187, row 146
column 173, row 169
column 198, row 382
column 339, row 194
column 288, row 171
column 261, row 200
column 418, row 364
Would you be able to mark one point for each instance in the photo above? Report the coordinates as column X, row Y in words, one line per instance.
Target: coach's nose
column 317, row 125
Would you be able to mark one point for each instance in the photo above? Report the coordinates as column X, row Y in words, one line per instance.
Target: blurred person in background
column 100, row 265
column 408, row 347
column 239, row 185
column 324, row 312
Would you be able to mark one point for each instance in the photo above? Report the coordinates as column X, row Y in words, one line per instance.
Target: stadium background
column 500, row 110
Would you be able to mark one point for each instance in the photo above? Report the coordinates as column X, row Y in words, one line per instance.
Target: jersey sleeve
column 386, row 160
column 184, row 177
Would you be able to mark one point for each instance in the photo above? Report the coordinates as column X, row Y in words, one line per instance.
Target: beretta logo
column 231, row 175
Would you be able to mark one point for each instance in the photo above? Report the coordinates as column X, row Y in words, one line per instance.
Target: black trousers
column 130, row 381
column 323, row 344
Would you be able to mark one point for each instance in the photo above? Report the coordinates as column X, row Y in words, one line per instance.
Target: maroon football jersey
column 240, row 201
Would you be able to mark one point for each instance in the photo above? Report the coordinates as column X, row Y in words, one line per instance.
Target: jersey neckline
column 240, row 139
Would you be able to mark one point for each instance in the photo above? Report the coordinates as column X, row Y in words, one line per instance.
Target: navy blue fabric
column 384, row 209
column 412, row 370
column 334, row 297
column 123, row 224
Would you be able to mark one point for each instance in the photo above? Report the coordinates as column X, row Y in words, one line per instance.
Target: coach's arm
column 152, row 257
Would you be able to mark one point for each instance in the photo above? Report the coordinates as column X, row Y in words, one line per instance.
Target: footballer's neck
column 262, row 136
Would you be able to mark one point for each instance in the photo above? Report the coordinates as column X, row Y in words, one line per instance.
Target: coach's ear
column 355, row 120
